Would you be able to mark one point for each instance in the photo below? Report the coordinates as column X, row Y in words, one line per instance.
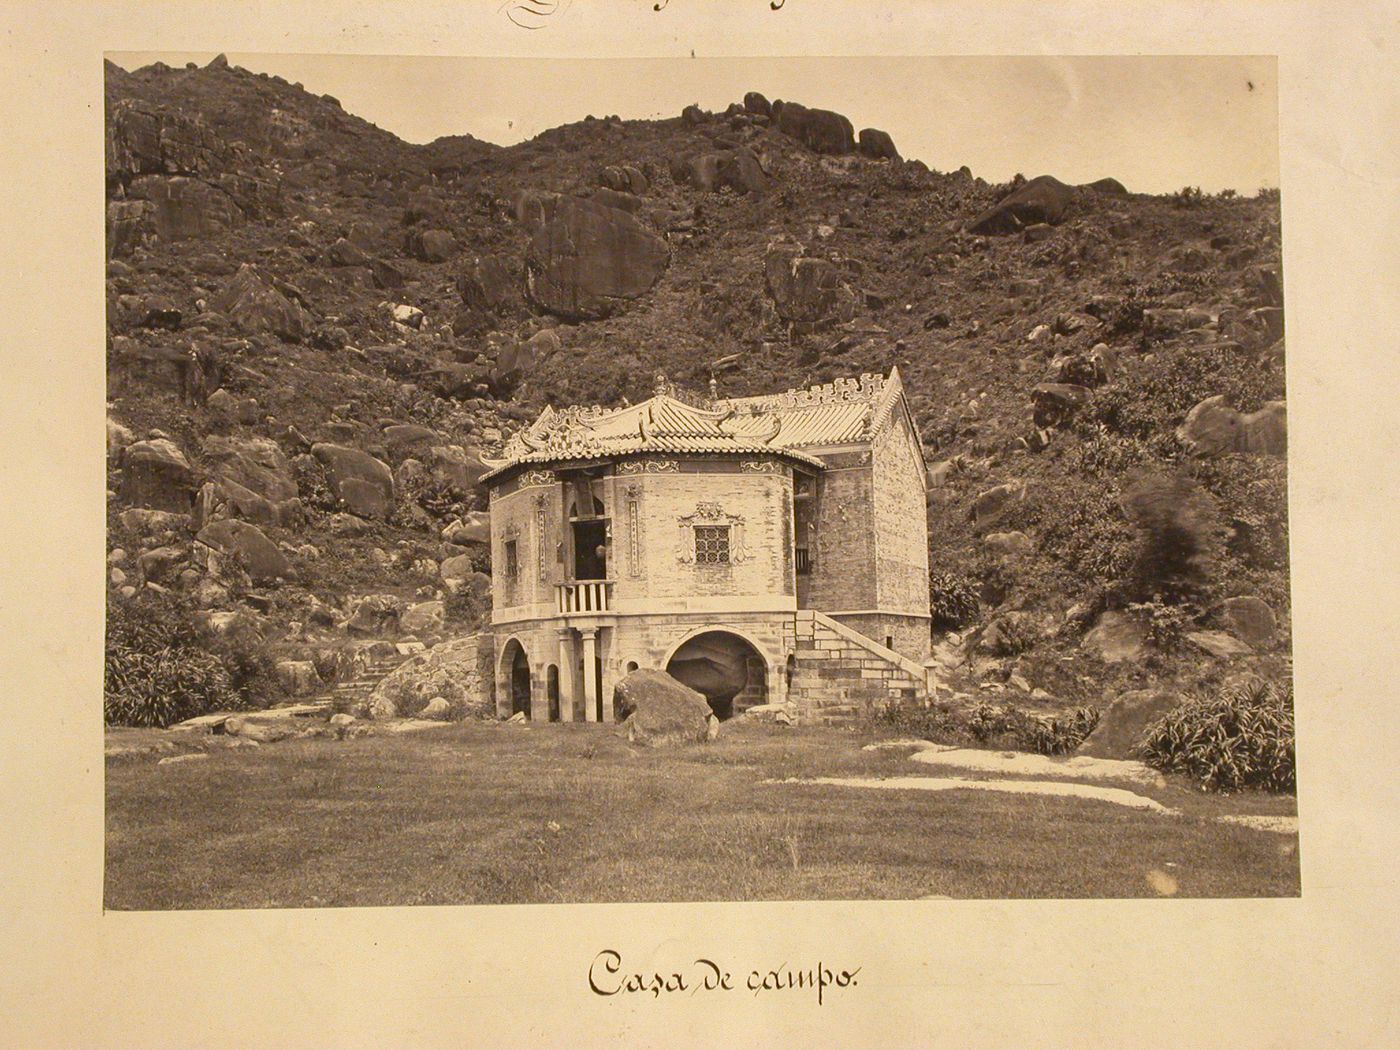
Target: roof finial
column 663, row 385
column 714, row 388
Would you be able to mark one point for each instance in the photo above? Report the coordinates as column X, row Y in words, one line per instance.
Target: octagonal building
column 763, row 550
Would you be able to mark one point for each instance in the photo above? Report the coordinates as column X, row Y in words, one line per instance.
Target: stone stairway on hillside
column 840, row 675
column 372, row 664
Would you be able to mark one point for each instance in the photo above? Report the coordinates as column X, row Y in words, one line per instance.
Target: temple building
column 760, row 549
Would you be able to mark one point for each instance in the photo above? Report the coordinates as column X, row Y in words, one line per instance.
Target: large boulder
column 586, row 259
column 249, row 546
column 156, row 474
column 423, row 618
column 1213, row 428
column 756, row 103
column 1122, row 726
column 1056, row 403
column 806, row 289
column 461, row 466
column 659, row 711
column 1118, row 636
column 877, row 144
column 254, row 478
column 992, row 505
column 820, row 130
column 255, row 304
column 474, row 527
column 347, row 253
column 735, row 169
column 458, row 671
column 430, row 245
column 1042, row 199
column 488, row 284
column 183, row 208
column 375, row 614
column 364, row 484
column 1249, row 619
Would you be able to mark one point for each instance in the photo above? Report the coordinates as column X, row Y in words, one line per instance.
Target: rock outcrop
column 586, row 260
column 364, row 484
column 1043, row 199
column 255, row 304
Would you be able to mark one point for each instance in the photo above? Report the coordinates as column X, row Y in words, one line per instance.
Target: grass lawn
column 490, row 813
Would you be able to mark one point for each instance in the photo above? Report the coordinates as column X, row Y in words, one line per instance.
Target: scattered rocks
column 458, row 673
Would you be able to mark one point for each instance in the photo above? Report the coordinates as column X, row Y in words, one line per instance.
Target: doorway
column 591, row 549
column 519, row 678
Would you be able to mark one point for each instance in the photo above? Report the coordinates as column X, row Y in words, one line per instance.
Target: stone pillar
column 566, row 677
column 590, row 674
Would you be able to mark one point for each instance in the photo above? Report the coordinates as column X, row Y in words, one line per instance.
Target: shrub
column 157, row 671
column 250, row 663
column 952, row 600
column 163, row 687
column 995, row 726
column 1164, row 625
column 1239, row 737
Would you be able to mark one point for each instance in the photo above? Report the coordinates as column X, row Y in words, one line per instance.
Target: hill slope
column 327, row 327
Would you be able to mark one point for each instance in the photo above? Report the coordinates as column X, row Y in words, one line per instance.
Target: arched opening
column 725, row 668
column 514, row 659
column 631, row 666
column 551, row 686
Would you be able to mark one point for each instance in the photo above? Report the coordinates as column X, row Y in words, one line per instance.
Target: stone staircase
column 840, row 675
column 372, row 664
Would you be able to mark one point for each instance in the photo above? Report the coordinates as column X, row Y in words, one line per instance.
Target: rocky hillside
column 316, row 330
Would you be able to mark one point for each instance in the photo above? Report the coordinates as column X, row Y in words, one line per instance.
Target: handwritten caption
column 607, row 976
column 535, row 14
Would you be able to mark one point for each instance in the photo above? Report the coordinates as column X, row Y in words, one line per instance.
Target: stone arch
column 513, row 674
column 724, row 664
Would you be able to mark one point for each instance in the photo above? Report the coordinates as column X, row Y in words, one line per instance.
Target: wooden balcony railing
column 583, row 596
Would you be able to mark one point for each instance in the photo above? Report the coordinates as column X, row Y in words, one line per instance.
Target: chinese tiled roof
column 843, row 412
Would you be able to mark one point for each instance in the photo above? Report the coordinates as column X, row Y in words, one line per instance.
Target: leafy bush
column 1164, row 625
column 161, row 668
column 1000, row 727
column 163, row 687
column 157, row 670
column 952, row 600
column 1240, row 737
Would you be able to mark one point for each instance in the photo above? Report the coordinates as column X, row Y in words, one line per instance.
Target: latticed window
column 512, row 560
column 712, row 544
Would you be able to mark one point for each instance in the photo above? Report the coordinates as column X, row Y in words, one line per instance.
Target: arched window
column 552, row 691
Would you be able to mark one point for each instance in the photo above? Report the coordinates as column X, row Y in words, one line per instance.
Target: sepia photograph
column 694, row 480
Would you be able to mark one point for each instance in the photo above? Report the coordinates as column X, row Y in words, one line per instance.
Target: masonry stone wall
column 901, row 523
column 843, row 557
column 654, row 515
column 836, row 680
column 533, row 518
